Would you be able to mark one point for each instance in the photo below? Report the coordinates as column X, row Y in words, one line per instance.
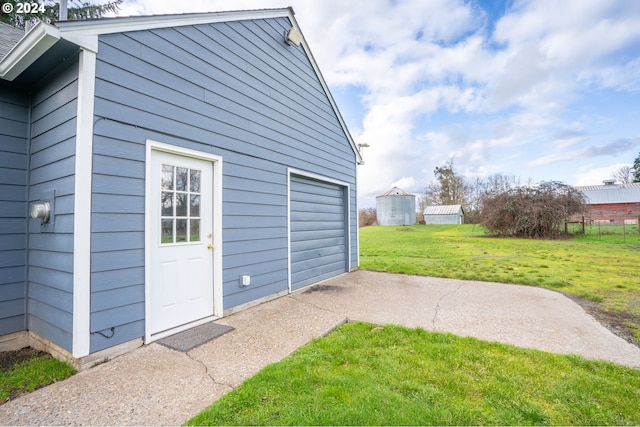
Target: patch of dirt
column 613, row 321
column 9, row 359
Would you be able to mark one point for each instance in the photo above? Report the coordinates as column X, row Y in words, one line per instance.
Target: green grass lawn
column 25, row 370
column 604, row 268
column 366, row 375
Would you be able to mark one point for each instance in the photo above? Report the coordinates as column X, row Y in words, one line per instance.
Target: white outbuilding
column 444, row 214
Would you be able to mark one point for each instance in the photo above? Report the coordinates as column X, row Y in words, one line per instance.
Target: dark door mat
column 191, row 338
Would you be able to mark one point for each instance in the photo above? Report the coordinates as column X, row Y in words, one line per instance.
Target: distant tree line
column 367, row 216
column 452, row 188
column 500, row 203
column 503, row 205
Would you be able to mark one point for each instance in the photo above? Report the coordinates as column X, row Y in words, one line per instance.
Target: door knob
column 209, row 246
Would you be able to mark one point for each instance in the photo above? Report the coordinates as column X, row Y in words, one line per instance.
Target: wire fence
column 622, row 227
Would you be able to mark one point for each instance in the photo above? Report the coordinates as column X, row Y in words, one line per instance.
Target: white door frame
column 217, row 234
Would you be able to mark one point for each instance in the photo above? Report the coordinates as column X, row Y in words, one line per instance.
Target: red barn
column 612, row 202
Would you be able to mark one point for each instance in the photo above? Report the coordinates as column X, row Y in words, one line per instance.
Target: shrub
column 367, row 216
column 532, row 212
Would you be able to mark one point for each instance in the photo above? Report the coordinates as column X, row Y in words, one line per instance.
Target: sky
column 540, row 90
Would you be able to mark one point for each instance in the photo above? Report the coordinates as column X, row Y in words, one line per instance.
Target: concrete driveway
column 159, row 386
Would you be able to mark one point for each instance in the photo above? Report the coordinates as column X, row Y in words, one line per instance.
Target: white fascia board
column 325, row 87
column 85, row 33
column 139, row 23
column 86, row 42
column 36, row 42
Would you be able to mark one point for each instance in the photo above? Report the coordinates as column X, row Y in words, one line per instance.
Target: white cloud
column 404, row 182
column 566, row 153
column 592, row 175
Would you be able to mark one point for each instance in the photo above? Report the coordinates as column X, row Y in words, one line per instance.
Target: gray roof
column 9, row 37
column 616, row 193
column 444, row 210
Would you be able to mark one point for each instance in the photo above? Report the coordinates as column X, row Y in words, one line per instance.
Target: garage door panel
column 310, row 209
column 314, row 254
column 317, row 231
column 319, row 226
column 310, row 191
column 337, row 243
column 317, row 274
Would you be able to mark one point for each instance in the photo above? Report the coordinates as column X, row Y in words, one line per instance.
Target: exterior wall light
column 293, row 36
column 41, row 210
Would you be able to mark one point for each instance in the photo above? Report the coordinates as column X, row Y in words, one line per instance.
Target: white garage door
column 318, row 227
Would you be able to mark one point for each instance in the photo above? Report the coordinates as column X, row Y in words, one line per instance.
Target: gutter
column 31, row 47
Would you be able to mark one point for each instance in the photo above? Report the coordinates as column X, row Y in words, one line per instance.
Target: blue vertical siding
column 50, row 263
column 14, row 116
column 231, row 89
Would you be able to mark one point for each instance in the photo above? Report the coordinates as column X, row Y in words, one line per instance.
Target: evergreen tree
column 636, row 169
column 17, row 13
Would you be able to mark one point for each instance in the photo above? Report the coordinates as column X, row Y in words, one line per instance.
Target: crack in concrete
column 208, row 374
column 437, row 307
column 292, row 296
column 334, row 327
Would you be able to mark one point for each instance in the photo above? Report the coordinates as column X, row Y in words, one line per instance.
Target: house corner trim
column 82, row 205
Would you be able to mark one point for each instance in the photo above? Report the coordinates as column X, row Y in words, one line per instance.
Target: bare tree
column 624, row 174
column 485, row 187
column 367, row 216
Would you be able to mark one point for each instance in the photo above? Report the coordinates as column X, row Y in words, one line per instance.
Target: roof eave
column 139, row 23
column 33, row 45
column 42, row 36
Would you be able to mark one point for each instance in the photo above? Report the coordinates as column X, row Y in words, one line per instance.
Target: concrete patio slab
column 155, row 385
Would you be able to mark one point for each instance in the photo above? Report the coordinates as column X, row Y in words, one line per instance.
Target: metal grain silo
column 396, row 207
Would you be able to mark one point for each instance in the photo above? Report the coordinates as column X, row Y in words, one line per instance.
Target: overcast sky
column 542, row 90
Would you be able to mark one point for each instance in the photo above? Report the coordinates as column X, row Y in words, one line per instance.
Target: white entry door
column 181, row 288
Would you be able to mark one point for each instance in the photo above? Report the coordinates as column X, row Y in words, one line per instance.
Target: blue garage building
column 178, row 168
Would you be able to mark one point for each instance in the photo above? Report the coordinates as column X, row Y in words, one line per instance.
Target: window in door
column 180, row 204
